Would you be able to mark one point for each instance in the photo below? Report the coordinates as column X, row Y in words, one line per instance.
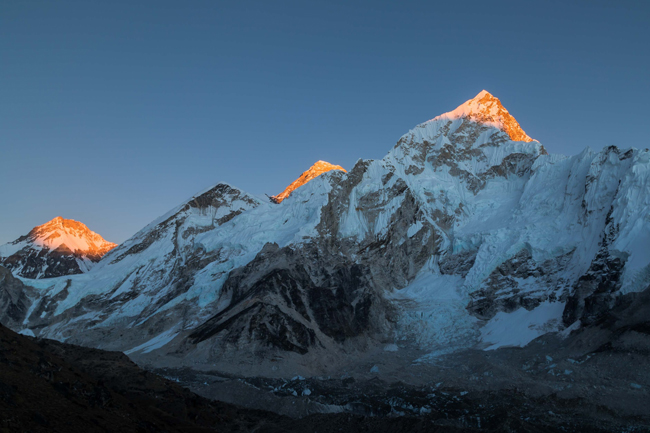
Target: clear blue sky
column 113, row 112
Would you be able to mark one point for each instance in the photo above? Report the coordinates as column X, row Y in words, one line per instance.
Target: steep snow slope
column 458, row 233
column 58, row 247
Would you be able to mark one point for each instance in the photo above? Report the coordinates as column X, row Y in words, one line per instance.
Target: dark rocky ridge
column 58, row 262
column 15, row 297
column 46, row 386
column 279, row 301
column 501, row 291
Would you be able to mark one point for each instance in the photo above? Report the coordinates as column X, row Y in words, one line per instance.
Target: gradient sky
column 112, row 113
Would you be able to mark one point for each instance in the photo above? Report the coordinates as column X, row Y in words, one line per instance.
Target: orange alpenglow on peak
column 487, row 109
column 314, row 171
column 72, row 234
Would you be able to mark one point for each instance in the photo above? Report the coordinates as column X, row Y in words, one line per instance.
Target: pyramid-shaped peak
column 484, row 101
column 318, row 168
column 58, row 247
column 487, row 109
column 74, row 234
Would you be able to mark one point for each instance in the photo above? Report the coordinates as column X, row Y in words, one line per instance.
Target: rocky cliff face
column 58, row 247
column 15, row 298
column 467, row 234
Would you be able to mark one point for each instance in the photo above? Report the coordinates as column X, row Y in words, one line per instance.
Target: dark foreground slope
column 55, row 387
column 46, row 386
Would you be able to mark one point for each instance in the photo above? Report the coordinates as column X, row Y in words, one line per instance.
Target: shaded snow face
column 459, row 232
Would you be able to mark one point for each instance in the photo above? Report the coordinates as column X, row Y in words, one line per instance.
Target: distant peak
column 73, row 234
column 487, row 109
column 58, row 247
column 314, row 171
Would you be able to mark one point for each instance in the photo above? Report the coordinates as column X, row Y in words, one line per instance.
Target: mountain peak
column 58, row 247
column 487, row 109
column 60, row 222
column 72, row 234
column 484, row 93
column 318, row 168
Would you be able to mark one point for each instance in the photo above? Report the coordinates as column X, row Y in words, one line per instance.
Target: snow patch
column 521, row 326
column 155, row 343
column 27, row 332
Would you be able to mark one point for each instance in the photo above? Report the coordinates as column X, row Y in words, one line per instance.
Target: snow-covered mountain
column 58, row 247
column 466, row 234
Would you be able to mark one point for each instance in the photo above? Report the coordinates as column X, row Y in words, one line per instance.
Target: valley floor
column 56, row 387
column 507, row 390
